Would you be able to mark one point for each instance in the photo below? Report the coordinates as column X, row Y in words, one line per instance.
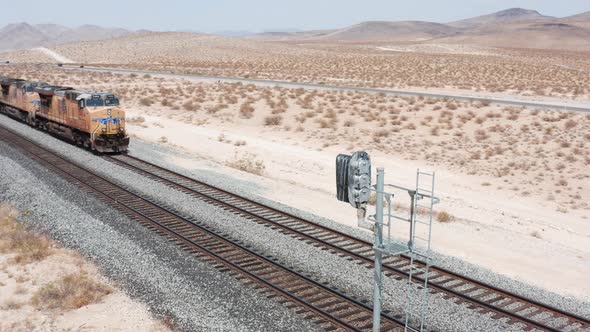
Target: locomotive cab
column 107, row 121
column 28, row 98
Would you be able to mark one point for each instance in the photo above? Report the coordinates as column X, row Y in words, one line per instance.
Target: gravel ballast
column 173, row 284
column 347, row 276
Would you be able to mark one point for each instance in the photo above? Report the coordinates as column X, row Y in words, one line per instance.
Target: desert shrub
column 146, row 101
column 246, row 110
column 15, row 238
column 373, row 200
column 562, row 183
column 435, row 131
column 216, row 108
column 247, row 163
column 452, row 106
column 443, row 216
column 11, row 304
column 348, row 123
column 481, row 135
column 480, row 120
column 273, row 120
column 189, row 106
column 135, row 119
column 73, row 291
column 570, row 124
column 323, row 123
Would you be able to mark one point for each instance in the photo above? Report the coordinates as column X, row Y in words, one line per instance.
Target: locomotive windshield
column 92, row 102
column 102, row 100
column 111, row 101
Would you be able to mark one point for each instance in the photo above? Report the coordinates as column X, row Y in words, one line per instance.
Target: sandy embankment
column 22, row 281
column 522, row 237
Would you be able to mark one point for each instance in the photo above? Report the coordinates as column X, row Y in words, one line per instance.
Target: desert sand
column 26, row 273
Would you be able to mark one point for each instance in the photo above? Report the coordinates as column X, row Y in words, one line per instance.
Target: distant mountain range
column 515, row 27
column 24, row 35
column 505, row 16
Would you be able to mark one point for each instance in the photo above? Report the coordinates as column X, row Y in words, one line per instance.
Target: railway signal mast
column 353, row 186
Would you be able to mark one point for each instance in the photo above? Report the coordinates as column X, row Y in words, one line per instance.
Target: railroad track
column 479, row 296
column 325, row 306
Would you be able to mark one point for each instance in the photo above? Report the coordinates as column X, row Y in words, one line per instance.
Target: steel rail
column 390, row 267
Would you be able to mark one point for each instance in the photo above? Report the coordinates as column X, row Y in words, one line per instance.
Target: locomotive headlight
column 108, row 112
column 104, row 130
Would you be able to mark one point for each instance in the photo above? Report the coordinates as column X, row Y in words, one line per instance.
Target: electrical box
column 353, row 179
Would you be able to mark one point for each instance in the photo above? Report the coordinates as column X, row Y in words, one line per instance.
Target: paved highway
column 581, row 107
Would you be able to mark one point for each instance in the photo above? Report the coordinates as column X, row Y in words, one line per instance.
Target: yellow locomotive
column 93, row 120
column 19, row 97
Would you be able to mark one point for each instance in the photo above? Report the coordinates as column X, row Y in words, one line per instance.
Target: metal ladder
column 421, row 215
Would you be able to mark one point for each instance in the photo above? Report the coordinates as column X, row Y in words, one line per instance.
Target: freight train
column 93, row 120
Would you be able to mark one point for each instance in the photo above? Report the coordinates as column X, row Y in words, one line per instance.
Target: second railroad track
column 477, row 295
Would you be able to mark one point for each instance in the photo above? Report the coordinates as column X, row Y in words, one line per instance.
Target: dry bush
column 373, row 200
column 246, row 110
column 11, row 304
column 348, row 123
column 451, row 106
column 73, row 291
column 273, row 120
column 443, row 216
column 562, row 183
column 570, row 124
column 481, row 135
column 135, row 119
column 15, row 238
column 146, row 101
column 189, row 106
column 435, row 131
column 247, row 163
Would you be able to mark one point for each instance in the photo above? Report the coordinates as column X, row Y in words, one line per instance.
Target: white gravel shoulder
column 349, row 277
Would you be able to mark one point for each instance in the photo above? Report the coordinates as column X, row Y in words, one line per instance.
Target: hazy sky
column 258, row 15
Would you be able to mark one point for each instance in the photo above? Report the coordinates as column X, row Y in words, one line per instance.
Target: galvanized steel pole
column 378, row 250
